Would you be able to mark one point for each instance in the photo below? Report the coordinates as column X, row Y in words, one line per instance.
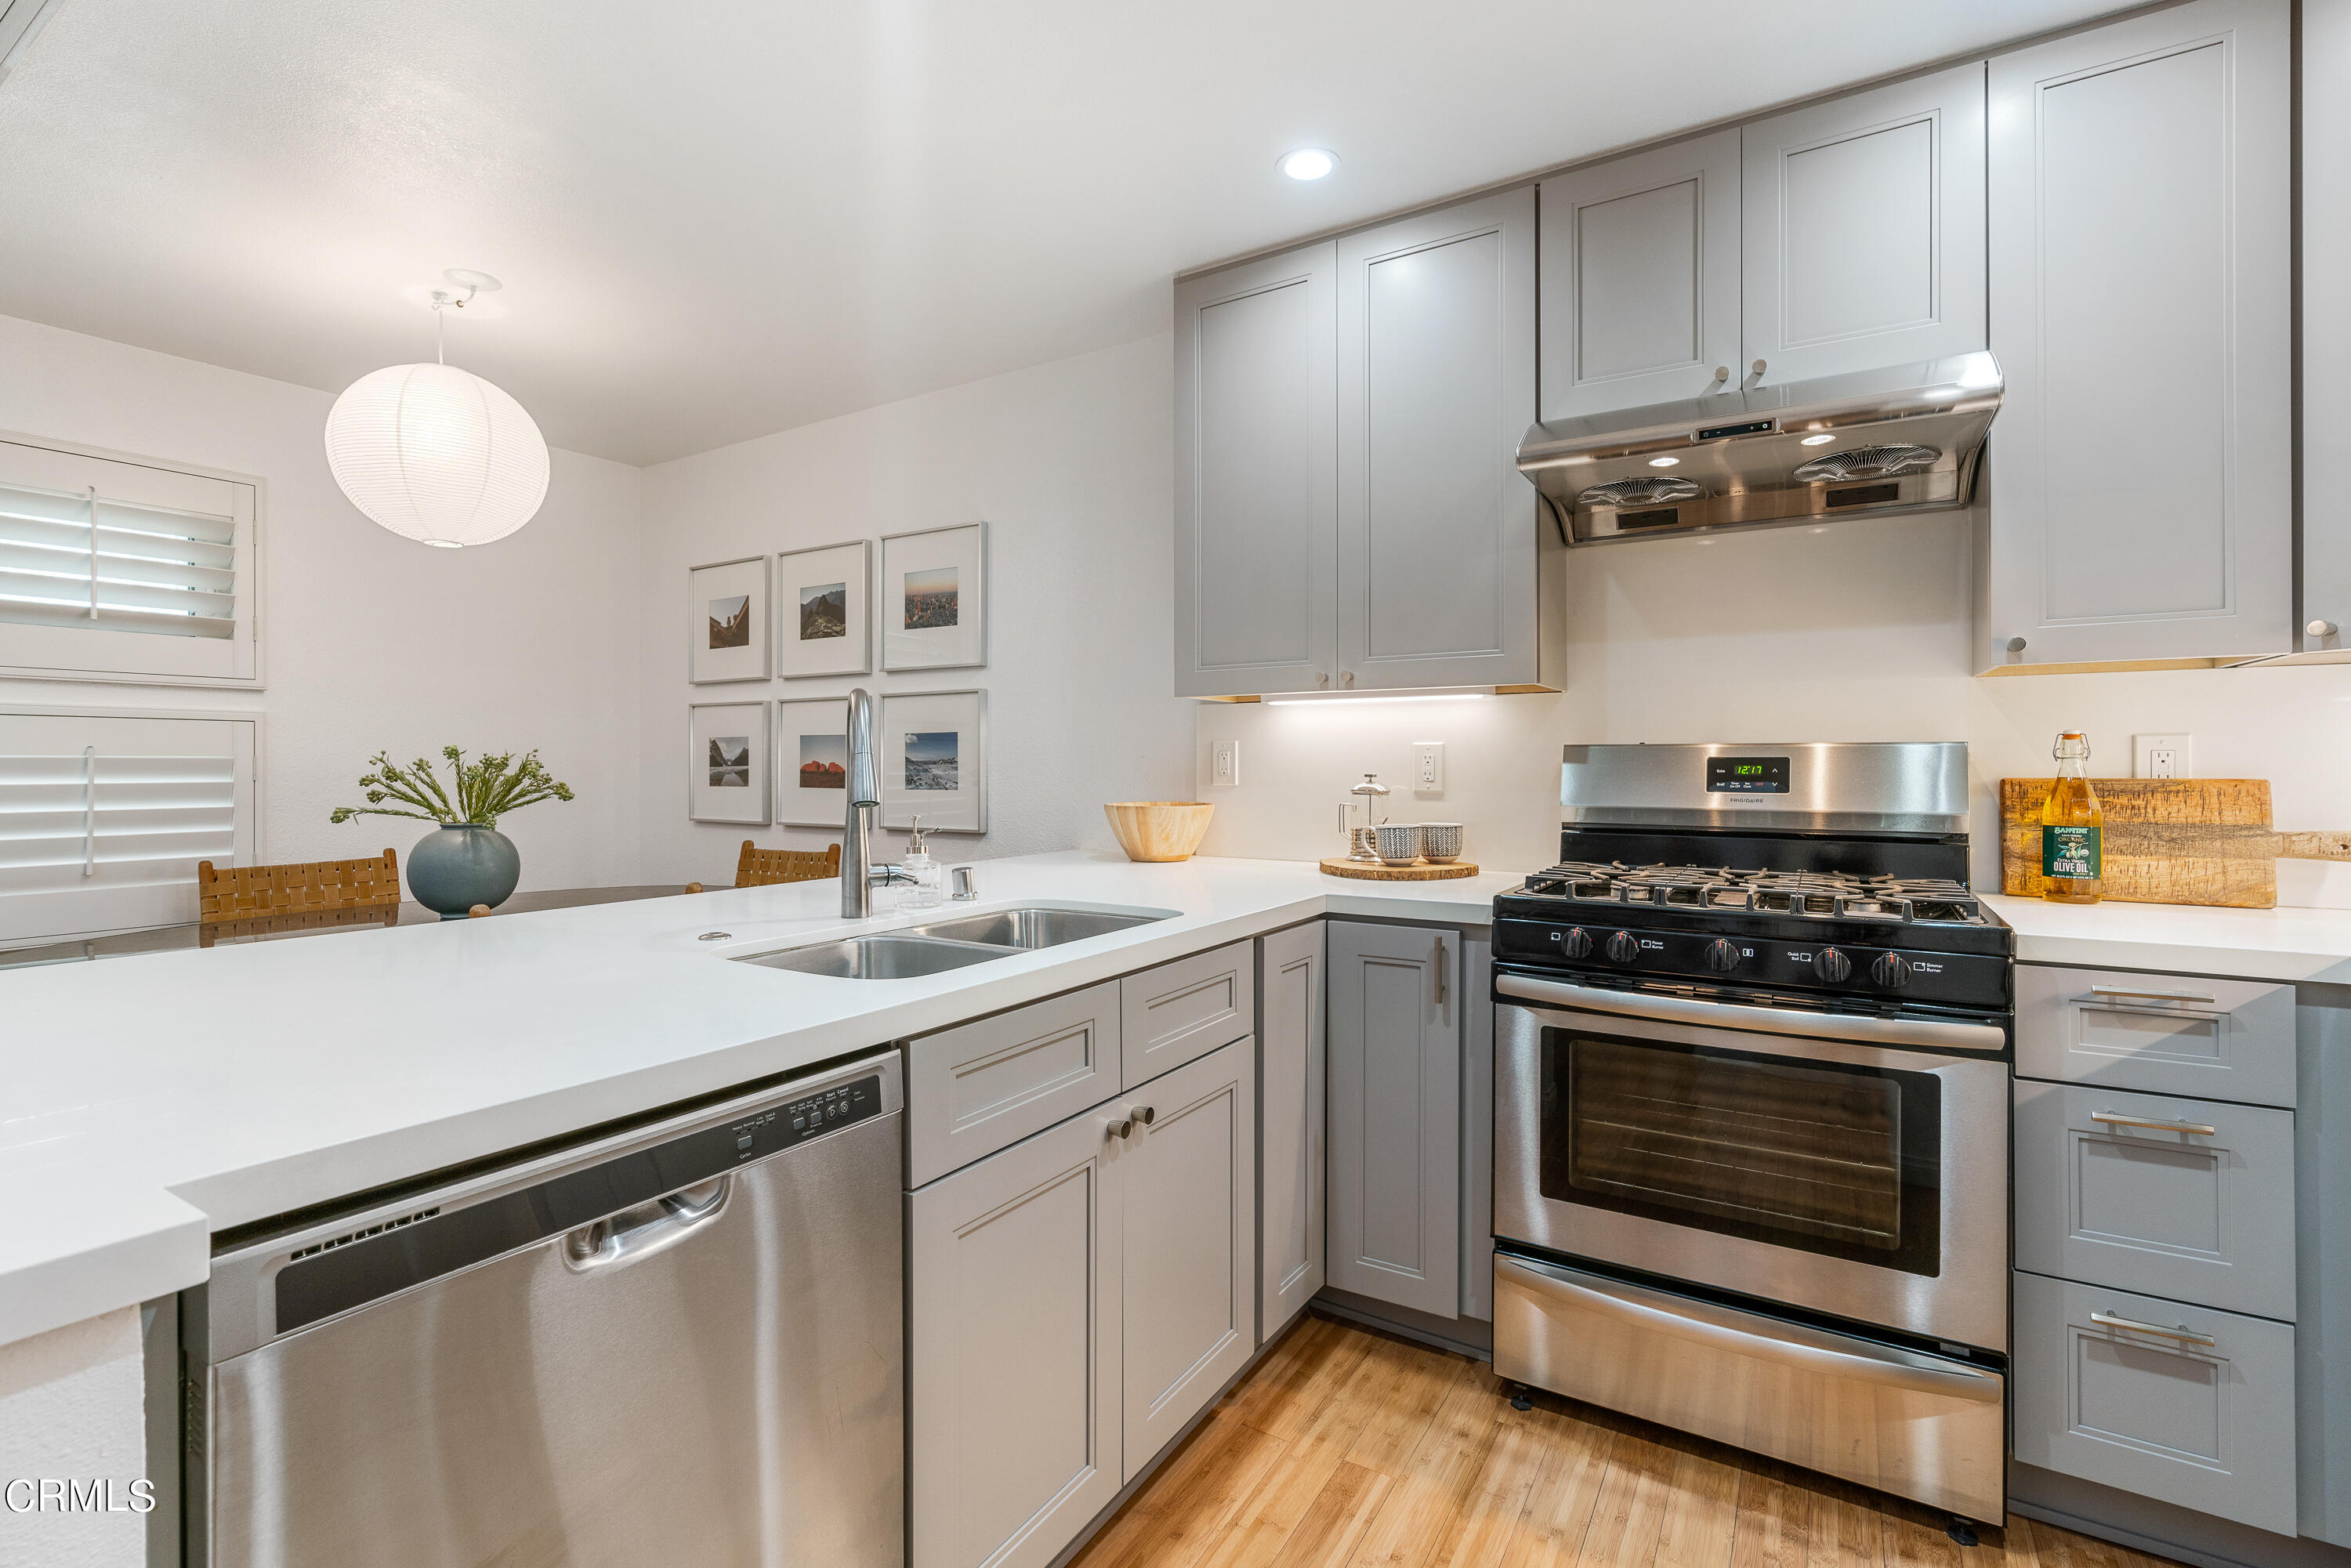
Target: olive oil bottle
column 2072, row 825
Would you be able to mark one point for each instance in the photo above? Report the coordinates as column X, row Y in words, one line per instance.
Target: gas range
column 1862, row 939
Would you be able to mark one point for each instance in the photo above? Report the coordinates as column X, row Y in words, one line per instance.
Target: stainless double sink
column 938, row 945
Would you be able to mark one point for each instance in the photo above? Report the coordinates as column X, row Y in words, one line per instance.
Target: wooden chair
column 255, row 899
column 763, row 867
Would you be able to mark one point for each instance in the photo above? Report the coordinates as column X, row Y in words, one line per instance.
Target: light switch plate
column 1224, row 763
column 2163, row 756
column 1428, row 767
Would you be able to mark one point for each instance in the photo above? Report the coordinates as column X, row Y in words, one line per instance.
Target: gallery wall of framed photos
column 825, row 614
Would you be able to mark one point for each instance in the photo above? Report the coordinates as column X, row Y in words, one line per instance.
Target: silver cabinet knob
column 1122, row 1128
column 1722, row 372
column 1145, row 1115
column 1758, row 367
column 2016, row 644
column 1346, row 678
column 2322, row 628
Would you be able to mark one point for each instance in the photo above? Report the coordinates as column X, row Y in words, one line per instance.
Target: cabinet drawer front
column 1171, row 1014
column 2206, row 1422
column 1012, row 1372
column 2166, row 1034
column 2198, row 1208
column 984, row 1086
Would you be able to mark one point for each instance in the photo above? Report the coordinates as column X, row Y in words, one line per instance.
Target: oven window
column 1819, row 1156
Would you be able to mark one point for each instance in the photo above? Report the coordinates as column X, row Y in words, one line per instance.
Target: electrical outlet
column 2163, row 756
column 1224, row 763
column 1428, row 767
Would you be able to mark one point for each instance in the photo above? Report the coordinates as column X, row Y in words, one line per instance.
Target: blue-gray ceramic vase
column 463, row 864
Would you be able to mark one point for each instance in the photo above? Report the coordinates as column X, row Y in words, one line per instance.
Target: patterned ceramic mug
column 1440, row 843
column 1399, row 843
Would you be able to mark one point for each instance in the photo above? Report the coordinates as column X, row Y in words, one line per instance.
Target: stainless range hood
column 1905, row 439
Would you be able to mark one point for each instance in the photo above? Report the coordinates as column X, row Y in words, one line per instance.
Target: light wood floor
column 1347, row 1448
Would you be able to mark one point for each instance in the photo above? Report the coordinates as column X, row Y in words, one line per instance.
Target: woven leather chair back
column 249, row 900
column 763, row 867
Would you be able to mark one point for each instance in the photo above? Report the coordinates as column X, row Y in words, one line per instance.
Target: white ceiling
column 725, row 217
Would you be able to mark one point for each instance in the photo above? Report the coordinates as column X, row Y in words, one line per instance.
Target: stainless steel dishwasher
column 679, row 1345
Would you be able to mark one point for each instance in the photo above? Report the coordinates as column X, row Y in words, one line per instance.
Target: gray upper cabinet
column 1255, row 515
column 2140, row 472
column 2324, row 612
column 1438, row 539
column 1396, row 998
column 1640, row 278
column 1862, row 222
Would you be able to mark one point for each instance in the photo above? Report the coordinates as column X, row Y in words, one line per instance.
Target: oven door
column 1838, row 1164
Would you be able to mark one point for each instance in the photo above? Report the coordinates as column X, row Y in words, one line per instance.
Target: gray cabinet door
column 1396, row 1000
column 1257, row 552
column 2164, row 1034
column 1290, row 1103
column 2140, row 470
column 1438, row 543
column 1013, row 1309
column 2325, row 329
column 1640, row 278
column 2188, row 1404
column 1862, row 224
column 2192, row 1199
column 1477, row 1128
column 1188, row 1187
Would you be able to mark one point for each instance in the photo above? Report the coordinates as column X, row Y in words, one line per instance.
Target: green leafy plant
column 484, row 789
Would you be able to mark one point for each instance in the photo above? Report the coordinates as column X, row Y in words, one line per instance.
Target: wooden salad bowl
column 1159, row 830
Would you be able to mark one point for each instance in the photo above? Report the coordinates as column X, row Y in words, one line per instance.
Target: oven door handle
column 1928, row 1034
column 1789, row 1344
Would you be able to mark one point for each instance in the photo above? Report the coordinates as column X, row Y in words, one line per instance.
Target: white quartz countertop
column 2305, row 944
column 149, row 1101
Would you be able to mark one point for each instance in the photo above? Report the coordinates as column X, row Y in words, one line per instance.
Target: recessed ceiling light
column 1309, row 164
column 1816, row 440
column 1664, row 462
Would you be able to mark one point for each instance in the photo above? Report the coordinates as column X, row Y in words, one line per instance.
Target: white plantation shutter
column 117, row 568
column 103, row 818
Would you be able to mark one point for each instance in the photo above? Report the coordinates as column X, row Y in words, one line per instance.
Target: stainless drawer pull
column 2117, row 1119
column 2112, row 992
column 2186, row 1336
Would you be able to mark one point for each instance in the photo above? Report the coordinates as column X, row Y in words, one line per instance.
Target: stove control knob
column 1832, row 966
column 1890, row 971
column 1623, row 947
column 1576, row 944
column 1721, row 956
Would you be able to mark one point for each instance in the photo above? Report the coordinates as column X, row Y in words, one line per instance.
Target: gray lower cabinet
column 1187, row 1189
column 2188, row 1404
column 2191, row 1200
column 1290, row 1039
column 2140, row 472
column 1183, row 1009
column 1438, row 546
column 1397, row 1000
column 1015, row 1285
column 1256, row 543
column 1477, row 1129
column 981, row 1086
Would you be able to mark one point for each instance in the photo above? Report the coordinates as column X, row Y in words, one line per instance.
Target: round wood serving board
column 1373, row 871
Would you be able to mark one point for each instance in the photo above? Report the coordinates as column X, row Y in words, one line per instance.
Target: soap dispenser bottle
column 926, row 889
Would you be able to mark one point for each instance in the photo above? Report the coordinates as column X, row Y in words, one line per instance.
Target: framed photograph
column 727, row 766
column 726, row 621
column 935, row 599
column 812, row 761
column 825, row 597
column 931, row 751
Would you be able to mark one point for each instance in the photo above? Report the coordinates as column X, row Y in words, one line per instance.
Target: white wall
column 1850, row 631
column 1070, row 465
column 70, row 1409
column 374, row 642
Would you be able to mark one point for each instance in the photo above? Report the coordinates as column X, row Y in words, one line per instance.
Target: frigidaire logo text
column 98, row 1495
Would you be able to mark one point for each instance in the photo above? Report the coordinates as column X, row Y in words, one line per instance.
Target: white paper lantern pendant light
column 436, row 453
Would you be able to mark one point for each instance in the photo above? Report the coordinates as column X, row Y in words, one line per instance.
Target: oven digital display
column 1746, row 775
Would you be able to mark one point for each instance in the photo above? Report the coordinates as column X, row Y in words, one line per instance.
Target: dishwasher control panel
column 803, row 1119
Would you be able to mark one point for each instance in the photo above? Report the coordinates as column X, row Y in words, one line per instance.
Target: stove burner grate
column 1825, row 895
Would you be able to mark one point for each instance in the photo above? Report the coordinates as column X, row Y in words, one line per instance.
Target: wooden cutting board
column 1373, row 871
column 2168, row 840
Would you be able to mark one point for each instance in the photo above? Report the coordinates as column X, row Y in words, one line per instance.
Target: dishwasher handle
column 647, row 1229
